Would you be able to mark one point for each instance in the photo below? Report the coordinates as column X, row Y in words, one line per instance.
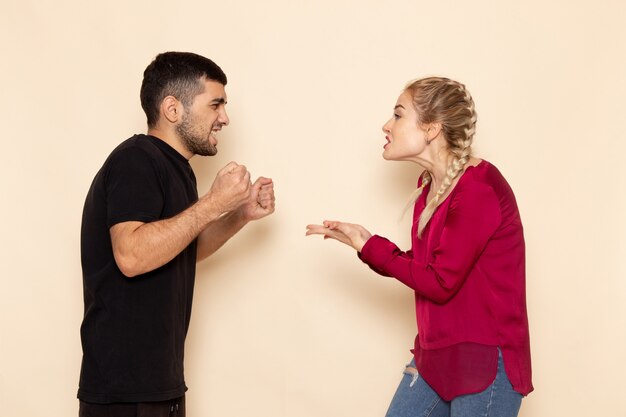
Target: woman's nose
column 386, row 127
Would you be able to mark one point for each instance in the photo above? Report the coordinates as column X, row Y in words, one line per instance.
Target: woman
column 466, row 264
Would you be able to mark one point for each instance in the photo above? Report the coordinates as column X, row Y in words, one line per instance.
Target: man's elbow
column 129, row 266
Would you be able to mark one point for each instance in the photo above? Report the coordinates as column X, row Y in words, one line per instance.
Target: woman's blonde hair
column 444, row 101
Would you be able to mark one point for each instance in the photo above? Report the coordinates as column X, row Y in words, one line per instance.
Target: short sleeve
column 133, row 188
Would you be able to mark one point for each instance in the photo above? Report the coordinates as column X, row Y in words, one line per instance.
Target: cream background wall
column 285, row 325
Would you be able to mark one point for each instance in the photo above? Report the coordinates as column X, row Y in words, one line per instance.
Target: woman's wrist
column 362, row 241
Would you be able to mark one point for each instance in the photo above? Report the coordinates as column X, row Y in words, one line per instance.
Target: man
column 144, row 229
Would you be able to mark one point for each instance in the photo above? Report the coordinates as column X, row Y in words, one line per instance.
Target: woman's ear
column 432, row 131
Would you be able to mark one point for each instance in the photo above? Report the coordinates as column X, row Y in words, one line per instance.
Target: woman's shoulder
column 479, row 181
column 485, row 179
column 484, row 173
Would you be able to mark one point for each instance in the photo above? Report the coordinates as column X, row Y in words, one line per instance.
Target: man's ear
column 171, row 109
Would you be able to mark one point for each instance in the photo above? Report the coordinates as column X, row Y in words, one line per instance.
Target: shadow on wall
column 401, row 178
column 368, row 291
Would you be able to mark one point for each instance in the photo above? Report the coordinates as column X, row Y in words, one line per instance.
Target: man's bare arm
column 142, row 247
column 261, row 203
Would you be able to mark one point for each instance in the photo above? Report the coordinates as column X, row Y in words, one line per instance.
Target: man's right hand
column 231, row 188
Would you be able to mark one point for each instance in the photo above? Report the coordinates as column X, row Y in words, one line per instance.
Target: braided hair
column 444, row 101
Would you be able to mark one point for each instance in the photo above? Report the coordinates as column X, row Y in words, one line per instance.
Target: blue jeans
column 415, row 398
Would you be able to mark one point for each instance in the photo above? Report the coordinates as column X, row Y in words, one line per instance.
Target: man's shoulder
column 136, row 149
column 137, row 143
column 136, row 154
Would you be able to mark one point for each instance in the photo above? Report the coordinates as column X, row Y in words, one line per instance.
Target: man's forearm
column 142, row 247
column 218, row 232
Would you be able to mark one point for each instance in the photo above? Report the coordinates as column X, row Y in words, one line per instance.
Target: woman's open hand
column 353, row 235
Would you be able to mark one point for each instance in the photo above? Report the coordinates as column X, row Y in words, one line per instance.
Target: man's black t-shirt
column 134, row 329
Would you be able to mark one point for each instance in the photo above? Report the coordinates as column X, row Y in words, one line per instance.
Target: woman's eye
column 396, row 116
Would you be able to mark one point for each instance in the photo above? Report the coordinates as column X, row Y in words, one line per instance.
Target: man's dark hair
column 177, row 74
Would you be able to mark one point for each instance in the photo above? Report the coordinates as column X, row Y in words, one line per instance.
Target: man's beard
column 195, row 140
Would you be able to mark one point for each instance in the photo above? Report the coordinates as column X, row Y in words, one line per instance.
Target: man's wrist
column 206, row 211
column 239, row 217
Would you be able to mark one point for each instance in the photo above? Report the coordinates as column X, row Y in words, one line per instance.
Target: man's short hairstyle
column 177, row 74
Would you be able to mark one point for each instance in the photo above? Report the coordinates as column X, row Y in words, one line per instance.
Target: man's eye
column 396, row 116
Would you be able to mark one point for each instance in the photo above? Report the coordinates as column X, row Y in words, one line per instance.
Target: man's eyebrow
column 399, row 105
column 220, row 100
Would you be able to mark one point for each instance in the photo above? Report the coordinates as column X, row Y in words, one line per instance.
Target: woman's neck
column 437, row 166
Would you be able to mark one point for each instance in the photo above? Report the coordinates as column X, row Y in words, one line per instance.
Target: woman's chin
column 389, row 157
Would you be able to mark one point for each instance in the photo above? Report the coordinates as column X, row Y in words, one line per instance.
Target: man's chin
column 207, row 151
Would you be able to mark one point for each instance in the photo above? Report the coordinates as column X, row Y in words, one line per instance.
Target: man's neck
column 172, row 139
